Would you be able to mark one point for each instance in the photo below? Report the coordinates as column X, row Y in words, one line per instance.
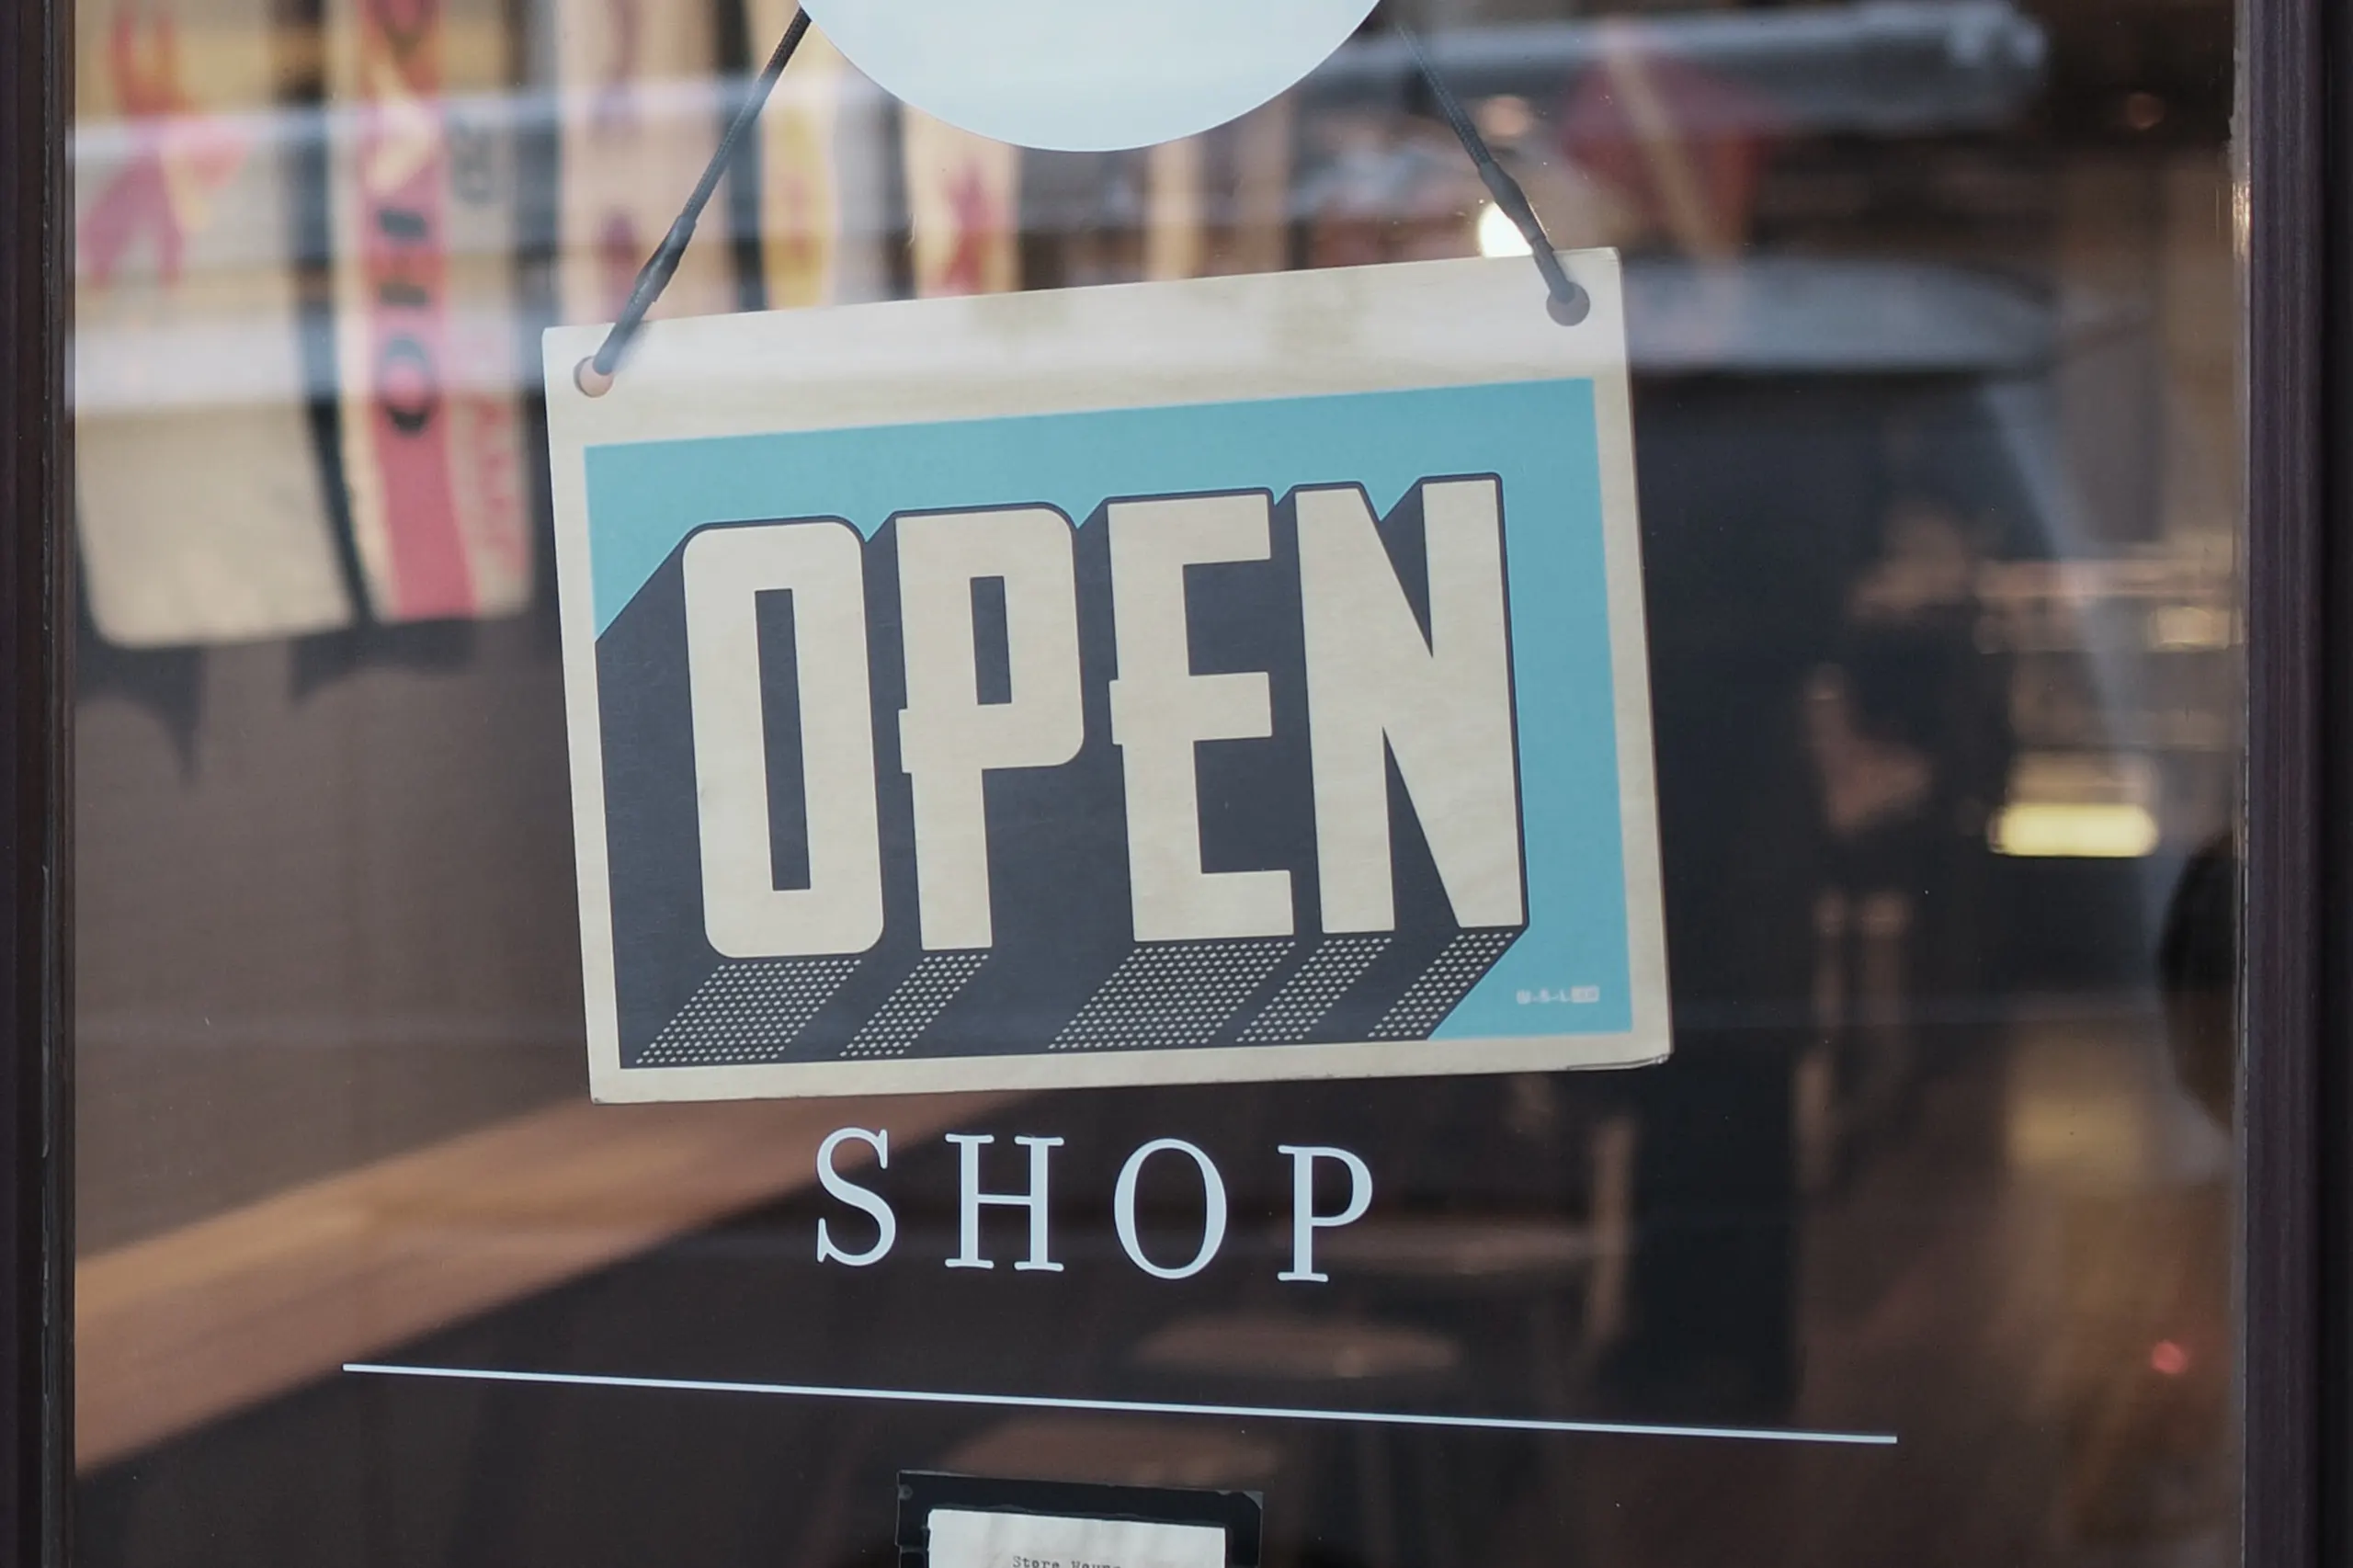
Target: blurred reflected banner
column 963, row 202
column 209, row 506
column 425, row 322
column 801, row 196
column 1175, row 242
column 200, row 509
column 640, row 114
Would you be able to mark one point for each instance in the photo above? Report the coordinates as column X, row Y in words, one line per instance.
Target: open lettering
column 1211, row 770
column 1407, row 670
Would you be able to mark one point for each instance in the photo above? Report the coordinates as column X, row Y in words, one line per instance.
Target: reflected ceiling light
column 1498, row 235
column 2076, row 829
column 1087, row 76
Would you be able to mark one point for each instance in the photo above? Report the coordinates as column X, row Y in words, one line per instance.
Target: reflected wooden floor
column 2024, row 1278
column 199, row 1322
column 2043, row 1322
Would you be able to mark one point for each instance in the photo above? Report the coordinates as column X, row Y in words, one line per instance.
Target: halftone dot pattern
column 918, row 999
column 1167, row 995
column 747, row 1012
column 1309, row 993
column 1448, row 978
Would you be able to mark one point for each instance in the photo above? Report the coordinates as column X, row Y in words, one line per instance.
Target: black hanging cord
column 1566, row 302
column 594, row 374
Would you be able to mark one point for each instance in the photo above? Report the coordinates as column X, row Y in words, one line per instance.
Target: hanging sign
column 1234, row 679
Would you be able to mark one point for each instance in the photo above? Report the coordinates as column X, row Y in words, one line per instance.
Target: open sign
column 952, row 752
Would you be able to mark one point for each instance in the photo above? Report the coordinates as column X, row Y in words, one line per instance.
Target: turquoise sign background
column 1569, row 973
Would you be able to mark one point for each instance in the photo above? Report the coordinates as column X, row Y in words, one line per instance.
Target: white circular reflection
column 1087, row 74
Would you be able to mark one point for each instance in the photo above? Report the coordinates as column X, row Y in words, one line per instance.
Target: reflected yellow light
column 2077, row 829
column 2190, row 627
column 1498, row 235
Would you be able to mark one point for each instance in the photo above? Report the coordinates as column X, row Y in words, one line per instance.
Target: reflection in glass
column 1933, row 323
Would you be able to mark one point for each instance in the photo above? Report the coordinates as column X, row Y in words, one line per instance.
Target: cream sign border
column 1425, row 324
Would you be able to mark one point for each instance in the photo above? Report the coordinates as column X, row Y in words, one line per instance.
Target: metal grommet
column 1571, row 310
column 592, row 381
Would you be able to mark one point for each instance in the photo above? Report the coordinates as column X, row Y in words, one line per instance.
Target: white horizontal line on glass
column 1130, row 1406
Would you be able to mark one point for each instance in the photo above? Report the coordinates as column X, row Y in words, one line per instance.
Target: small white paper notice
column 968, row 1539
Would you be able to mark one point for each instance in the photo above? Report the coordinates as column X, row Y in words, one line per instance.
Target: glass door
column 459, row 1175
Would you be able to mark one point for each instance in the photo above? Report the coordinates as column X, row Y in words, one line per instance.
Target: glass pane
column 1917, row 1248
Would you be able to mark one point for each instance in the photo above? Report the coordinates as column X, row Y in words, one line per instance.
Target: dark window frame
column 36, row 634
column 2297, row 147
column 2298, row 812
